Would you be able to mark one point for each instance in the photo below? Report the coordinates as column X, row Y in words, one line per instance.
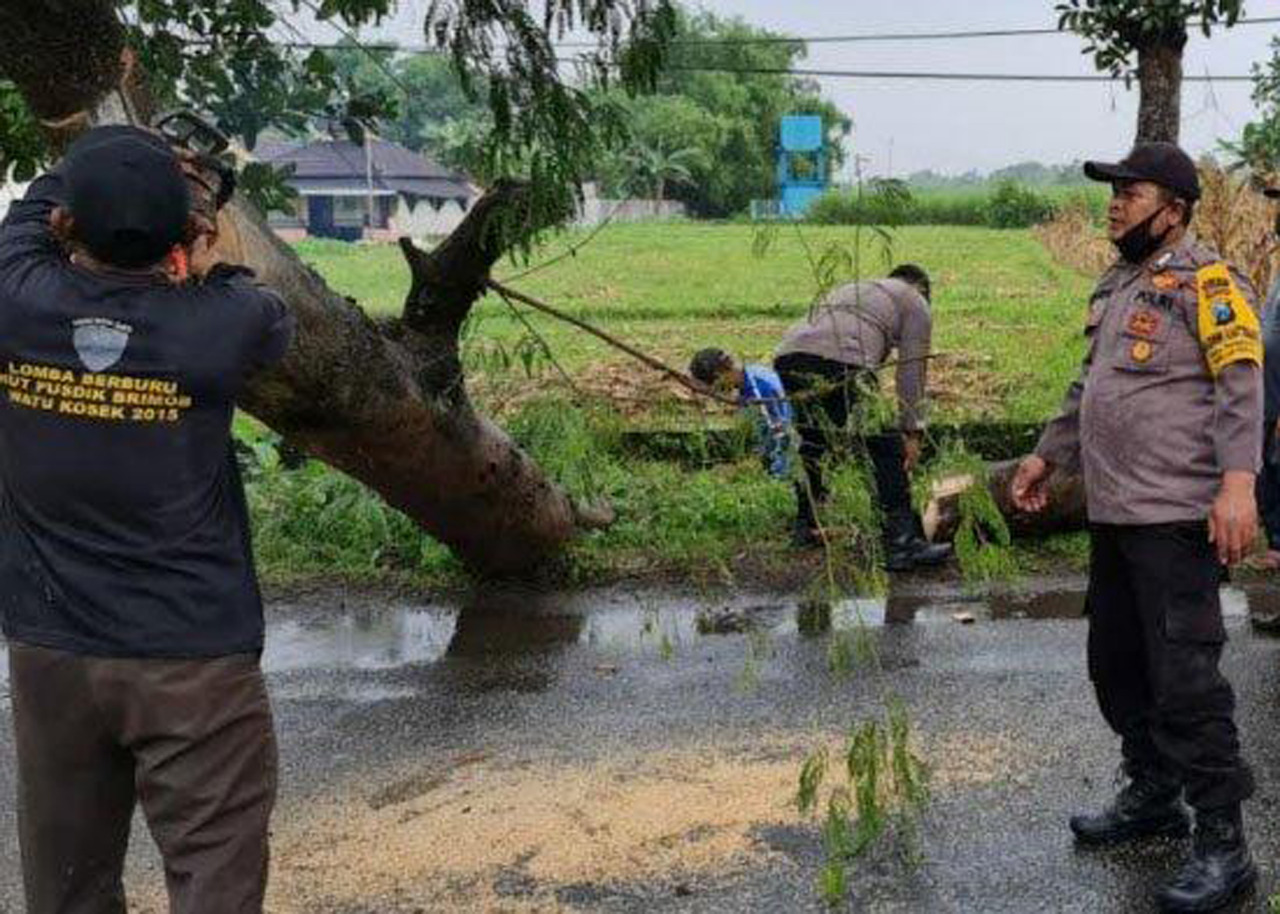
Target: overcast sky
column 954, row 127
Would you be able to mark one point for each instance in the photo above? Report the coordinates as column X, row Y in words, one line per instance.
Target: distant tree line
column 1034, row 174
column 707, row 139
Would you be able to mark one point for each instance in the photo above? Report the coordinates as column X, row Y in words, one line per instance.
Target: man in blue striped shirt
column 759, row 391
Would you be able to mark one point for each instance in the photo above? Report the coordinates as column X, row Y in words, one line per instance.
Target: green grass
column 1006, row 316
column 672, row 521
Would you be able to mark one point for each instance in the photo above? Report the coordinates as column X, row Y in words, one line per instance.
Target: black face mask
column 1137, row 244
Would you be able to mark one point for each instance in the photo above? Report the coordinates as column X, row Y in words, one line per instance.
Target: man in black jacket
column 127, row 589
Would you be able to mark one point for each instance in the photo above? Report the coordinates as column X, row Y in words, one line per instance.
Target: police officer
column 1268, row 490
column 1165, row 421
column 828, row 363
column 127, row 589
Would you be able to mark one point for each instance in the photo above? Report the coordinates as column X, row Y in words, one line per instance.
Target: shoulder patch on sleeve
column 1228, row 327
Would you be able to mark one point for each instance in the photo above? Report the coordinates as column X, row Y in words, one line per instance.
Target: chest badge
column 99, row 342
column 1140, row 352
column 1144, row 323
column 1166, row 281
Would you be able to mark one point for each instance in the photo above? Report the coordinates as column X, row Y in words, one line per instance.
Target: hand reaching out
column 1029, row 488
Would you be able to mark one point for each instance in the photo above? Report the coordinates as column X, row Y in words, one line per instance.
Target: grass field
column 1006, row 317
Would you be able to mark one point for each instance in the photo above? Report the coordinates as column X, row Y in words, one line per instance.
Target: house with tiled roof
column 375, row 192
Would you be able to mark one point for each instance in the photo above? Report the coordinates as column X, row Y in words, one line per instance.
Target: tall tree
column 1258, row 147
column 724, row 94
column 386, row 403
column 1155, row 32
column 427, row 97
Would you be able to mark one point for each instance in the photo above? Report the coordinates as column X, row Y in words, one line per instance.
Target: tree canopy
column 224, row 58
column 427, row 108
column 494, row 99
column 729, row 119
column 1259, row 144
column 725, row 123
column 1116, row 30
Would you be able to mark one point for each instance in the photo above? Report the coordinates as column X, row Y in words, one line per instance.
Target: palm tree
column 656, row 167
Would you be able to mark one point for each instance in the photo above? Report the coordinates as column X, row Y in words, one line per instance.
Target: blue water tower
column 800, row 140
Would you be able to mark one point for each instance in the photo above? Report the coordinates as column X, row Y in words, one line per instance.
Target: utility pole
column 368, row 179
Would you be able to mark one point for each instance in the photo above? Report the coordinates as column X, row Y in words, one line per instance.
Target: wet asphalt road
column 361, row 685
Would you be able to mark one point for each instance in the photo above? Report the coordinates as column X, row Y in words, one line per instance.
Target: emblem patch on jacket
column 99, row 342
column 1228, row 328
column 1144, row 323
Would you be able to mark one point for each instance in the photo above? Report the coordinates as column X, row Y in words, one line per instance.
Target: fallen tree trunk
column 386, row 404
column 1064, row 513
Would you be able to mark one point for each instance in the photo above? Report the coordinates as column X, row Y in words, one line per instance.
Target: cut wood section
column 1064, row 513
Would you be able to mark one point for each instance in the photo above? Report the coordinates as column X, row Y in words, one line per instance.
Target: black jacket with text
column 123, row 525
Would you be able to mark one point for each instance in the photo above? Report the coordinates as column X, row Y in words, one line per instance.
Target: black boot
column 1146, row 806
column 1219, row 869
column 804, row 532
column 904, row 546
column 902, row 553
column 805, row 535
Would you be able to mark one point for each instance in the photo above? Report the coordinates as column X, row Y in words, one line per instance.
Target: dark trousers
column 191, row 740
column 825, row 394
column 1155, row 639
column 1268, row 486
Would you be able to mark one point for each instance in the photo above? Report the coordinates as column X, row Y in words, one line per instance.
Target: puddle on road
column 506, row 624
column 520, row 625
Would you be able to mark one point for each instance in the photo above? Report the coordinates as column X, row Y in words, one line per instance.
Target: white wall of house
column 422, row 221
column 425, row 220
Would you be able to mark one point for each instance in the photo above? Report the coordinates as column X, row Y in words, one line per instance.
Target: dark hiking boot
column 1219, row 869
column 1145, row 807
column 804, row 531
column 804, row 536
column 902, row 553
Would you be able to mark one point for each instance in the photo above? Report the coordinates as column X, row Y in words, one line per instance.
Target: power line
column 784, row 39
column 355, row 41
column 930, row 75
column 894, row 36
column 802, row 71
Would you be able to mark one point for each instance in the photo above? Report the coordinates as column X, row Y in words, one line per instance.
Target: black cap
column 1161, row 163
column 127, row 194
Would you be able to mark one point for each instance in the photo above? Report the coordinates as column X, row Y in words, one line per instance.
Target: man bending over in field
column 828, row 365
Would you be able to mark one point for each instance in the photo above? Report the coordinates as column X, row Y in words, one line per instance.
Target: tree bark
column 386, row 404
column 1064, row 513
column 1160, row 90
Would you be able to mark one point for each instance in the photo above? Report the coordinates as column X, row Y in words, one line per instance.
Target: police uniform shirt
column 860, row 323
column 1169, row 396
column 123, row 526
